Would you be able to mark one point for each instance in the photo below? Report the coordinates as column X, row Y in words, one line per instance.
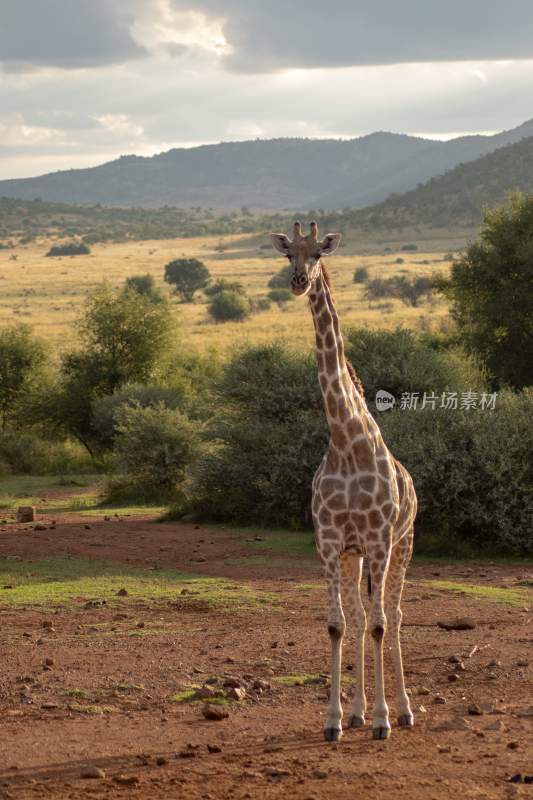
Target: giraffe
column 363, row 505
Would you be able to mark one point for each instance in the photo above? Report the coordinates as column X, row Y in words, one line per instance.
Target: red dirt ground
column 271, row 744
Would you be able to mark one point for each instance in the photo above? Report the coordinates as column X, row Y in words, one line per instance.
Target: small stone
column 214, row 712
column 319, row 774
column 261, row 686
column 453, row 677
column 206, row 692
column 161, row 761
column 444, row 748
column 457, row 724
column 126, row 780
column 236, row 693
column 122, row 592
column 92, row 773
column 88, row 527
column 232, row 681
column 475, row 711
column 40, row 527
column 460, row 624
column 49, row 662
column 454, row 660
column 514, row 745
column 141, row 625
column 214, row 748
column 439, row 700
column 494, row 663
column 496, row 725
column 423, row 690
column 525, row 712
column 49, row 706
column 522, row 663
column 48, row 625
column 276, row 772
column 422, row 710
column 291, row 644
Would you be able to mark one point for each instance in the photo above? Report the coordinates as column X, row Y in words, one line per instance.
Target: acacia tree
column 491, row 293
column 187, row 275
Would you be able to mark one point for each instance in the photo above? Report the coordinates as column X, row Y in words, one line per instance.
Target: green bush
column 280, row 296
column 22, row 360
column 360, row 275
column 229, row 306
column 400, row 361
column 281, row 279
column 28, row 453
column 222, row 285
column 154, row 446
column 69, row 249
column 145, row 286
column 106, row 410
column 473, row 474
column 266, row 441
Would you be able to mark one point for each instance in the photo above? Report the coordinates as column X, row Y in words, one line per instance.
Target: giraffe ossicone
column 363, row 502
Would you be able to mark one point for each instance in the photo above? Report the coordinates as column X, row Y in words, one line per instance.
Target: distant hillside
column 272, row 174
column 454, row 199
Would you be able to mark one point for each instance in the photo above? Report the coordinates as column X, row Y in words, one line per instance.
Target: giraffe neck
column 342, row 401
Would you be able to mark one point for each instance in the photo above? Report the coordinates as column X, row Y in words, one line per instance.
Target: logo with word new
column 384, row 400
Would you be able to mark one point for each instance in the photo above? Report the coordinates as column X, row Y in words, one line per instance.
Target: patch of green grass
column 81, row 694
column 491, row 594
column 93, row 709
column 62, row 579
column 129, row 687
column 191, row 695
column 269, row 561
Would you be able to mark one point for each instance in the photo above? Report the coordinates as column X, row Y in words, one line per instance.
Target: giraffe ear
column 280, row 243
column 329, row 244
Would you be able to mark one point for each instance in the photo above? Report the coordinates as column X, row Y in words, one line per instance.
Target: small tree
column 281, row 296
column 360, row 275
column 21, row 360
column 491, row 292
column 411, row 291
column 187, row 275
column 229, row 306
column 145, row 286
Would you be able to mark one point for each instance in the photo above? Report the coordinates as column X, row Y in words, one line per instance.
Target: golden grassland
column 49, row 293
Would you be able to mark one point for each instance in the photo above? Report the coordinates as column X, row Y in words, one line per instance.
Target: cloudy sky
column 83, row 81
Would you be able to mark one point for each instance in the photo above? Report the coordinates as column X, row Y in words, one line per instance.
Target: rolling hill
column 456, row 198
column 265, row 174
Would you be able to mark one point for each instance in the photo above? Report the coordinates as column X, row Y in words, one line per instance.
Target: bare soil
column 270, row 745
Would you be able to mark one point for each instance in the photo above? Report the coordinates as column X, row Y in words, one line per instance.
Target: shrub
column 360, row 275
column 280, row 296
column 472, row 472
column 266, row 441
column 69, row 249
column 107, row 410
column 153, row 449
column 187, row 275
column 281, row 279
column 29, row 453
column 229, row 306
column 378, row 288
column 223, row 285
column 400, row 361
column 145, row 286
column 411, row 290
column 409, row 247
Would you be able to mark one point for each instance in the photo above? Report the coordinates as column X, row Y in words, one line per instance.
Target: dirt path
column 92, row 686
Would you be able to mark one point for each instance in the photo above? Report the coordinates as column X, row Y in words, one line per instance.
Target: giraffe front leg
column 378, row 626
column 336, row 629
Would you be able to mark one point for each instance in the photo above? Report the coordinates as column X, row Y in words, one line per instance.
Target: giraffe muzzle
column 299, row 284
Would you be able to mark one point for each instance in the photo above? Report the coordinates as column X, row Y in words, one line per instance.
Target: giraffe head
column 304, row 253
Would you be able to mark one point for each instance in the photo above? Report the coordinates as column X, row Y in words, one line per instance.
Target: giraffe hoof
column 381, row 732
column 355, row 721
column 332, row 734
column 406, row 721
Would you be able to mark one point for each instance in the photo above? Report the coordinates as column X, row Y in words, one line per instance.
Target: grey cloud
column 274, row 35
column 65, row 33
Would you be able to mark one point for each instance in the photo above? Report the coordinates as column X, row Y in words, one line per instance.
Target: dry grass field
column 48, row 293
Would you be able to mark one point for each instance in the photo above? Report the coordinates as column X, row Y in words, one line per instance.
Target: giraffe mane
column 349, row 366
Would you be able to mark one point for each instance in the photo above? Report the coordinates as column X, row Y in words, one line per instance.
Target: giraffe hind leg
column 336, row 630
column 351, row 569
column 400, row 558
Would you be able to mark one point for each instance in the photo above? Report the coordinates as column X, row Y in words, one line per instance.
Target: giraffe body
column 363, row 503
